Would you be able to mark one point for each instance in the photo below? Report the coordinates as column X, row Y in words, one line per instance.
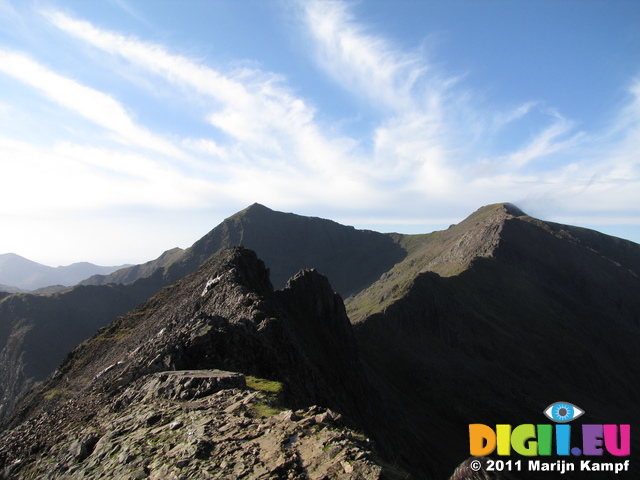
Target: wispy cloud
column 126, row 7
column 411, row 142
column 91, row 104
column 68, row 177
column 366, row 64
column 267, row 126
column 551, row 140
column 424, row 147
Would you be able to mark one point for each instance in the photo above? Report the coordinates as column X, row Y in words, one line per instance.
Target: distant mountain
column 17, row 271
column 287, row 243
column 489, row 321
column 134, row 272
column 8, row 289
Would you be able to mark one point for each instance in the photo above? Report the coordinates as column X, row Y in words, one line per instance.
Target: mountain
column 17, row 271
column 287, row 242
column 80, row 420
column 489, row 321
column 498, row 317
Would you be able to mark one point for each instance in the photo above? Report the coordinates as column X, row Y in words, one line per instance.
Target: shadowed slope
column 542, row 313
column 286, row 242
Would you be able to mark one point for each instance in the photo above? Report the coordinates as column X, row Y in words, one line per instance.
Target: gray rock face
column 203, row 424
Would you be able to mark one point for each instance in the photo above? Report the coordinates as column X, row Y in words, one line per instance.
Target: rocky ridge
column 33, row 345
column 227, row 316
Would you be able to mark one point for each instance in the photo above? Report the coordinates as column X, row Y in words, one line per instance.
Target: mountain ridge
column 132, row 273
column 24, row 274
column 239, row 323
column 472, row 324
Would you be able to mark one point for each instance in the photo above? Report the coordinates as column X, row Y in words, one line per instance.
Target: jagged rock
column 205, row 438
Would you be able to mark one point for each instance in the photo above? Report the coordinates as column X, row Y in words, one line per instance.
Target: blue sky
column 130, row 127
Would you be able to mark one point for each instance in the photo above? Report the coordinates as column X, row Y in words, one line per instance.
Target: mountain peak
column 514, row 210
column 255, row 208
column 495, row 210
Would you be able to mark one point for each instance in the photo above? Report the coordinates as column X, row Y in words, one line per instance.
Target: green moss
column 268, row 405
column 263, row 410
column 270, row 387
column 359, row 436
column 54, row 392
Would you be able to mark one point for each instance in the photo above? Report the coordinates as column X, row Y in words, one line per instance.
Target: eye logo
column 563, row 412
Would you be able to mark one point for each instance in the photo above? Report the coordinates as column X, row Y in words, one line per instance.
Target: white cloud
column 69, row 177
column 93, row 105
column 363, row 63
column 155, row 58
column 547, row 142
column 267, row 125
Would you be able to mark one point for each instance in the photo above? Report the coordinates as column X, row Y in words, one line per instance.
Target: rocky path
column 205, row 425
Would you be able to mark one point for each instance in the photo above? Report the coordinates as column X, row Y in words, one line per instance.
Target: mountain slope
column 287, row 243
column 135, row 272
column 36, row 331
column 237, row 322
column 25, row 274
column 542, row 312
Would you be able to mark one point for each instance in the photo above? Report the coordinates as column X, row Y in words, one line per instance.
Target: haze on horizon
column 128, row 128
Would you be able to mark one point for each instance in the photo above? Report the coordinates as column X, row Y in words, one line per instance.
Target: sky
column 129, row 127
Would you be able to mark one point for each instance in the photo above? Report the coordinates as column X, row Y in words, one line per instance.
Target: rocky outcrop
column 201, row 424
column 160, row 359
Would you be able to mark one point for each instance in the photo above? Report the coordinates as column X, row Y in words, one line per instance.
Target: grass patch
column 271, row 390
column 264, row 410
column 53, row 392
column 270, row 387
